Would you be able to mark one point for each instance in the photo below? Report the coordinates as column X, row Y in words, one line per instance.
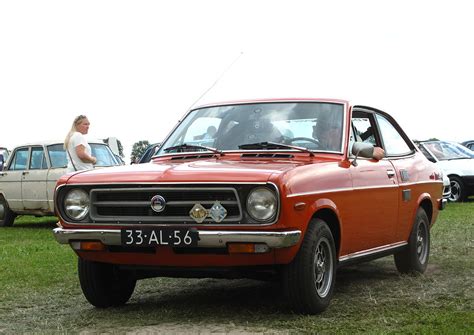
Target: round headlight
column 261, row 204
column 76, row 204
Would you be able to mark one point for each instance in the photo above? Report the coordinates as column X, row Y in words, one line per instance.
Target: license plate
column 146, row 237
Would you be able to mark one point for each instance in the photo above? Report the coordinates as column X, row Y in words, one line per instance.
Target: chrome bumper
column 207, row 239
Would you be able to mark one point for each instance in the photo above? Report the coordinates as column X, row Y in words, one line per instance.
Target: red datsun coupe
column 287, row 188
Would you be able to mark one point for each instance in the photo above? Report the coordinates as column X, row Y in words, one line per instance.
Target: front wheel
column 6, row 215
column 309, row 279
column 104, row 285
column 414, row 259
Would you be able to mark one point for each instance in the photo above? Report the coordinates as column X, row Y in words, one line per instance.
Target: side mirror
column 362, row 149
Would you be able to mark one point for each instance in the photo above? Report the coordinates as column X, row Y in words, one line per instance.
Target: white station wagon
column 28, row 179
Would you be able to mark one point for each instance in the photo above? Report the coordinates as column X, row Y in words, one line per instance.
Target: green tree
column 138, row 149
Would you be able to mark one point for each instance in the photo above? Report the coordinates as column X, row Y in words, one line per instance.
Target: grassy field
column 40, row 293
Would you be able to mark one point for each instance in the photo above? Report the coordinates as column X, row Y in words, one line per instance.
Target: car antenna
column 218, row 78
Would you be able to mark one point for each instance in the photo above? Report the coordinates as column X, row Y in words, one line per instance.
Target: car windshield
column 105, row 157
column 315, row 126
column 447, row 150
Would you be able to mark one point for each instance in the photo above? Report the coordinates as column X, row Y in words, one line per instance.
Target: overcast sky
column 135, row 67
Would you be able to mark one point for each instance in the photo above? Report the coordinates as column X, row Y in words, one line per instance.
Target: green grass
column 40, row 293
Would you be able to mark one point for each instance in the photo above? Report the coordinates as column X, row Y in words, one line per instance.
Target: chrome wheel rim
column 323, row 267
column 455, row 190
column 422, row 243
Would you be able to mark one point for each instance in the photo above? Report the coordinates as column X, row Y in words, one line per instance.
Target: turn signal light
column 88, row 246
column 247, row 248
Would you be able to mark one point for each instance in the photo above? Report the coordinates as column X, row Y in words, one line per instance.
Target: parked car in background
column 469, row 144
column 149, row 153
column 29, row 178
column 457, row 163
column 446, row 187
column 284, row 189
column 4, row 153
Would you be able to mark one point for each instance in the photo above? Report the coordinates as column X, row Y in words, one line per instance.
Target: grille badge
column 217, row 212
column 198, row 213
column 158, row 203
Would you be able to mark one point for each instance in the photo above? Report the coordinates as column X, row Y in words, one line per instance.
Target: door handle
column 390, row 173
column 25, row 172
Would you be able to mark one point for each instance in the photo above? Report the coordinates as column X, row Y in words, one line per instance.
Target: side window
column 363, row 129
column 38, row 160
column 57, row 156
column 394, row 143
column 20, row 160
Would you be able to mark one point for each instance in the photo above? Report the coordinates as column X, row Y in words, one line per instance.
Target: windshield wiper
column 273, row 145
column 184, row 146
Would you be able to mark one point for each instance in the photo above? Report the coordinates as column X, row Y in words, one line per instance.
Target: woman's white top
column 77, row 139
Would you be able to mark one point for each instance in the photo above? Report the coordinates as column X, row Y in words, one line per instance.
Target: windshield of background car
column 313, row 125
column 104, row 155
column 447, row 151
column 58, row 156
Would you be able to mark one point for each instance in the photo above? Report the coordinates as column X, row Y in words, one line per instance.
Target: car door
column 408, row 164
column 33, row 184
column 10, row 179
column 57, row 158
column 375, row 186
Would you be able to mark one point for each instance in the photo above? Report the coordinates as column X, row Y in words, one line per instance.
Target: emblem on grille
column 158, row 203
column 217, row 212
column 198, row 213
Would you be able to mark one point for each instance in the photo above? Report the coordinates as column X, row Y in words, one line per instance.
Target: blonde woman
column 78, row 150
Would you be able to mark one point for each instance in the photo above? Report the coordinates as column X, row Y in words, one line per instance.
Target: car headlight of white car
column 262, row 204
column 76, row 204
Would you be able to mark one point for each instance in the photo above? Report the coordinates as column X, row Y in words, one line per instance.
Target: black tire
column 6, row 215
column 104, row 285
column 458, row 190
column 414, row 259
column 309, row 279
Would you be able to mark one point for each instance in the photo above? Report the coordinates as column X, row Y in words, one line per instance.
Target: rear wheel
column 458, row 190
column 104, row 285
column 414, row 259
column 6, row 215
column 309, row 279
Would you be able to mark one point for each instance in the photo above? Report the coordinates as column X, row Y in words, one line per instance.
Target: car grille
column 133, row 205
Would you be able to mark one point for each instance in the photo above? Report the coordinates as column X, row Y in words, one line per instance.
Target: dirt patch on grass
column 190, row 328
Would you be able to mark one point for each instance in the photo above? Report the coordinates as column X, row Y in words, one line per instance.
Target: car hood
column 461, row 167
column 215, row 170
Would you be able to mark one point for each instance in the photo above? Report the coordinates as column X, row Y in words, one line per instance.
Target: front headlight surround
column 76, row 204
column 262, row 204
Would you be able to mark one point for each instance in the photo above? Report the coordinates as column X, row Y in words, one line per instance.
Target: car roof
column 52, row 142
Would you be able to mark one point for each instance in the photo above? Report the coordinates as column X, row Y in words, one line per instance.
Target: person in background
column 78, row 150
